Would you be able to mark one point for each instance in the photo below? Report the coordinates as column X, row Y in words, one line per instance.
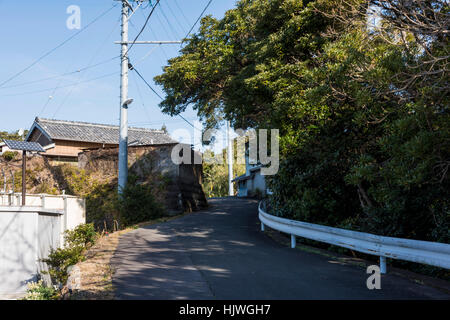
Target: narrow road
column 220, row 253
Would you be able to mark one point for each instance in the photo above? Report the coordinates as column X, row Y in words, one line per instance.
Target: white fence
column 27, row 233
column 74, row 208
column 426, row 252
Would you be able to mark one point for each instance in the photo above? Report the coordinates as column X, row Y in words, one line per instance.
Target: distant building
column 64, row 140
column 3, row 147
column 252, row 182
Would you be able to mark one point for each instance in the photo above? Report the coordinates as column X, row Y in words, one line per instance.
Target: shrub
column 137, row 204
column 82, row 235
column 9, row 155
column 101, row 206
column 60, row 259
column 39, row 291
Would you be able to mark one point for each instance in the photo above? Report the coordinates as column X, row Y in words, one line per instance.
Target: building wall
column 26, row 237
column 66, row 148
column 259, row 183
column 242, row 188
column 38, row 136
column 3, row 149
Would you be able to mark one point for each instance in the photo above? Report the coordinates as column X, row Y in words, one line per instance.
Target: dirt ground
column 96, row 271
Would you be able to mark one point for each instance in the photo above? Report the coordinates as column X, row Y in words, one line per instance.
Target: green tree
column 362, row 109
column 215, row 175
column 12, row 135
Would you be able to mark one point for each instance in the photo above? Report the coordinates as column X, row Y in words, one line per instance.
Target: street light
column 127, row 102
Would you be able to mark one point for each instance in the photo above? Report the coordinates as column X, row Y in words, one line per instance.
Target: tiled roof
column 243, row 177
column 100, row 133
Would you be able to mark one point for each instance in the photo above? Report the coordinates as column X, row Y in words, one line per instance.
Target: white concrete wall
column 259, row 182
column 26, row 235
column 49, row 236
column 76, row 207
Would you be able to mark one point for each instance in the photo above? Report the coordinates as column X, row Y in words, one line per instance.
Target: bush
column 9, row 155
column 60, row 259
column 137, row 204
column 101, row 206
column 82, row 235
column 39, row 291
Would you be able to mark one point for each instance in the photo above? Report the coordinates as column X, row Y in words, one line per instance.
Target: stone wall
column 182, row 183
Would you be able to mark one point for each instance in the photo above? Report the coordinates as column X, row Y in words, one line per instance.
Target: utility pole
column 123, row 134
column 230, row 161
column 124, row 100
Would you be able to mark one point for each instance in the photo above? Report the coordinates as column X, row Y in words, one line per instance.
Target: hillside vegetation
column 359, row 91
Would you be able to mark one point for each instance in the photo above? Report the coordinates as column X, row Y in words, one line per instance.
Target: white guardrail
column 426, row 252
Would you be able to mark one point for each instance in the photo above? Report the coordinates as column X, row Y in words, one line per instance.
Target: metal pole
column 383, row 265
column 123, row 135
column 293, row 241
column 230, row 161
column 24, row 182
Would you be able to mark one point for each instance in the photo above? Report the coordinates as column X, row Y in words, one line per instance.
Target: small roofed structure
column 64, row 140
column 25, row 147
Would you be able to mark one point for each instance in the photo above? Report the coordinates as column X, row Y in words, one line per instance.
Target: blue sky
column 29, row 29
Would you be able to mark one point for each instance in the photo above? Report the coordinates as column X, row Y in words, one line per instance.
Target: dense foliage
column 12, row 135
column 9, row 155
column 75, row 243
column 40, row 291
column 215, row 174
column 137, row 203
column 362, row 107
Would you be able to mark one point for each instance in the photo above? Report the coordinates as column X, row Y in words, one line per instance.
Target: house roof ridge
column 98, row 125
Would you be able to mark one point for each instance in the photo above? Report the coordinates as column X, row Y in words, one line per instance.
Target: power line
column 143, row 27
column 58, row 87
column 168, row 22
column 96, row 53
column 159, row 96
column 182, row 13
column 148, row 85
column 201, row 15
column 57, row 47
column 177, row 20
column 61, row 75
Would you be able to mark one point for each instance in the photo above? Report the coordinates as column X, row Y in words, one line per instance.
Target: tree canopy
column 359, row 92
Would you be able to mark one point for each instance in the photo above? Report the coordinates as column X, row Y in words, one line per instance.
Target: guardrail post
column 293, row 241
column 383, row 265
column 262, row 226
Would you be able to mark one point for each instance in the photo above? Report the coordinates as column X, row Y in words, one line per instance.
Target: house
column 64, row 140
column 252, row 182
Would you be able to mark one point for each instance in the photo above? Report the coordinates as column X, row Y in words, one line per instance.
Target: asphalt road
column 220, row 253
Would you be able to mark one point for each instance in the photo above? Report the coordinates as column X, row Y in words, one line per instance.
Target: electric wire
column 142, row 29
column 201, row 15
column 57, row 47
column 61, row 75
column 159, row 96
